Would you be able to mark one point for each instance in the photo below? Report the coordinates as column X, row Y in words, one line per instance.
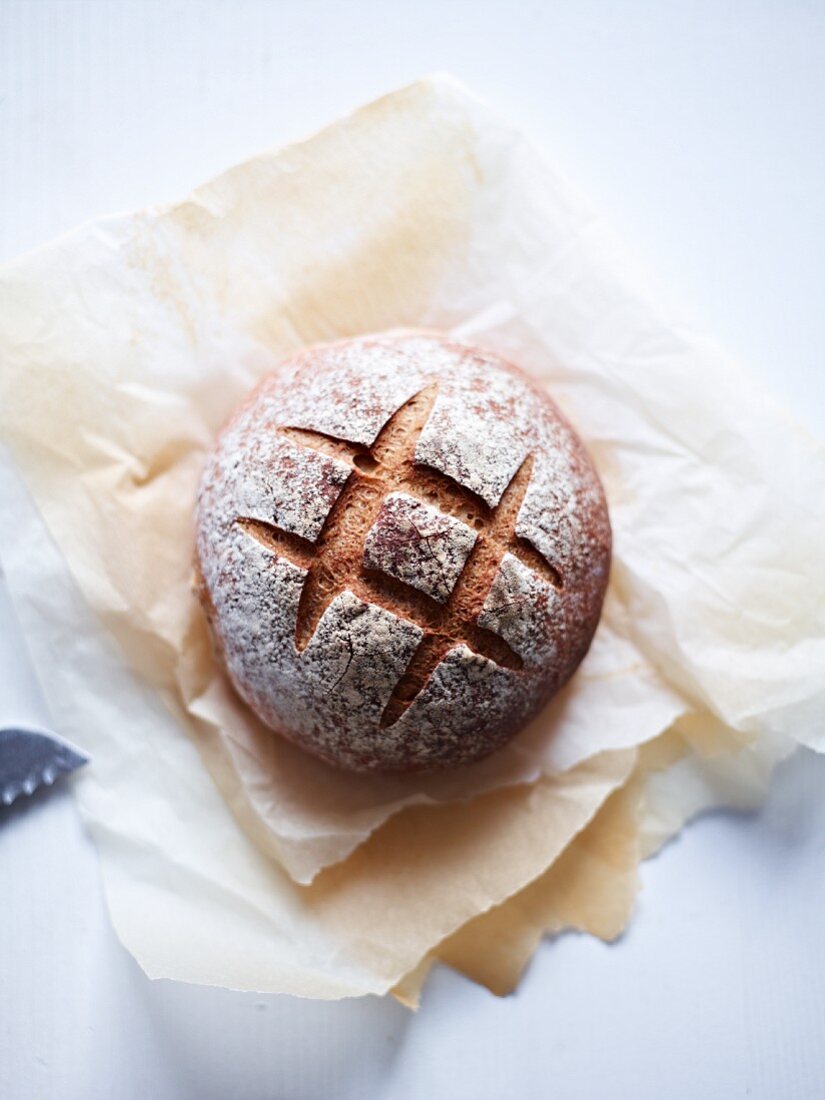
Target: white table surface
column 700, row 128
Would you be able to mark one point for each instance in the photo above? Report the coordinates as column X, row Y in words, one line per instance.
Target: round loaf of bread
column 402, row 549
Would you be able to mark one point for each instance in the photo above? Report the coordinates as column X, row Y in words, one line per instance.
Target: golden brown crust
column 403, row 550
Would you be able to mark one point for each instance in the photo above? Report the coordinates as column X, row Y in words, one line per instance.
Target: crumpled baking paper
column 140, row 335
column 125, row 345
column 193, row 898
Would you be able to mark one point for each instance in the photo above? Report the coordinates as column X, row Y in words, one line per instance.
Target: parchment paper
column 593, row 885
column 141, row 333
column 193, row 898
column 123, row 348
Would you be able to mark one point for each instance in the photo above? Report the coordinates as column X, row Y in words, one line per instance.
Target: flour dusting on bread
column 402, row 549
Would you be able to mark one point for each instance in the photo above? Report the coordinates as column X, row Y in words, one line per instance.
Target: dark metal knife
column 32, row 758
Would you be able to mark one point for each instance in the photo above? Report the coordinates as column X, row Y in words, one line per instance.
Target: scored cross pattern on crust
column 334, row 562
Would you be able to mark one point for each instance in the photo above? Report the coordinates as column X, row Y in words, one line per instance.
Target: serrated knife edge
column 31, row 758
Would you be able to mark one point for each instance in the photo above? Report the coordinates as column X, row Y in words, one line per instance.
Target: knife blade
column 32, row 758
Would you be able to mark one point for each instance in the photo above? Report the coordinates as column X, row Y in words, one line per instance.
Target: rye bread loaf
column 402, row 550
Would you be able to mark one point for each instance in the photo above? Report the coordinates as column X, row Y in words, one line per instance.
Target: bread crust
column 402, row 549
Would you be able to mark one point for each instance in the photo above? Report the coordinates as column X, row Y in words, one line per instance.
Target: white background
column 700, row 129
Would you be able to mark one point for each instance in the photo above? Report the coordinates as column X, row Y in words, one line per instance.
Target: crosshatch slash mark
column 334, row 562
